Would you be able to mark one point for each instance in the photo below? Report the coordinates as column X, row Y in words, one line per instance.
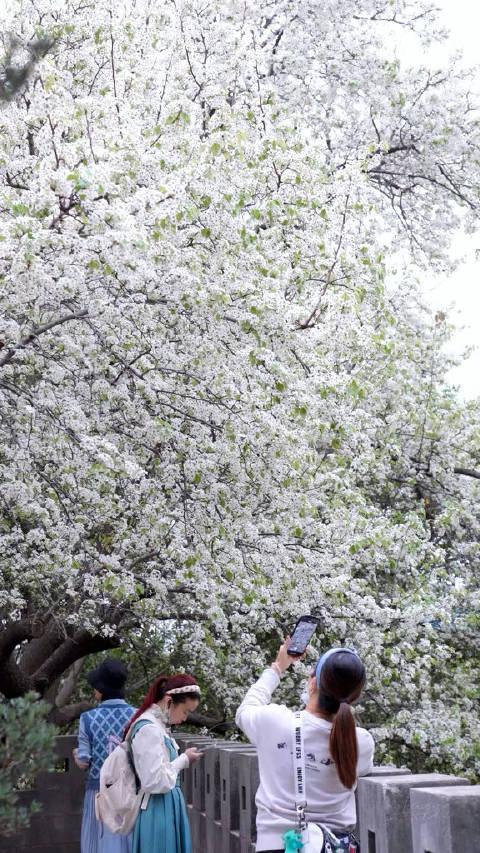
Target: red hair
column 159, row 688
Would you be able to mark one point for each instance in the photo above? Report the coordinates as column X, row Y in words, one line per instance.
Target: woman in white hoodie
column 336, row 750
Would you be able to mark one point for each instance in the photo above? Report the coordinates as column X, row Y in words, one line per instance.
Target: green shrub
column 26, row 747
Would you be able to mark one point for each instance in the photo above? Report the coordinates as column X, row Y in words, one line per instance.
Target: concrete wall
column 220, row 795
column 446, row 819
column 398, row 812
column 56, row 829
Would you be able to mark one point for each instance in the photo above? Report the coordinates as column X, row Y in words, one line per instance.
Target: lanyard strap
column 299, row 770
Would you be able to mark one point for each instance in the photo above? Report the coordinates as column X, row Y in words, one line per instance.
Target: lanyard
column 299, row 770
column 299, row 786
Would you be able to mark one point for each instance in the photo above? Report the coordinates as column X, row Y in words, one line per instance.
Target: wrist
column 277, row 668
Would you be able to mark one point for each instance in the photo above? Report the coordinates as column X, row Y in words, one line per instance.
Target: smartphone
column 303, row 633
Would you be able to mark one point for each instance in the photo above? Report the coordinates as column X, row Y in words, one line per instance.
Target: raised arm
column 254, row 711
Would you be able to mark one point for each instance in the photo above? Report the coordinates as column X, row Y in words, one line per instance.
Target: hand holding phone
column 193, row 754
column 303, row 633
column 283, row 659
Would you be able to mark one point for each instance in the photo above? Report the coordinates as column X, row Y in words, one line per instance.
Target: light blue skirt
column 95, row 837
column 163, row 826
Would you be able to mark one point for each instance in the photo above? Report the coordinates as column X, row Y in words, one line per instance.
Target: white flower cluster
column 215, row 415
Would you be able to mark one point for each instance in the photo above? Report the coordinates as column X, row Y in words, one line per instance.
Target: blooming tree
column 216, row 414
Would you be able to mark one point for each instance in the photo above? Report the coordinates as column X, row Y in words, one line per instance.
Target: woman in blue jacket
column 101, row 729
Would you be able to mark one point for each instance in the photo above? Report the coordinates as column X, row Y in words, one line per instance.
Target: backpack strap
column 131, row 734
column 138, row 724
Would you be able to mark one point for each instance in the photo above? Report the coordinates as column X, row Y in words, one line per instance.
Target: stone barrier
column 384, row 770
column 185, row 742
column 213, row 788
column 248, row 782
column 230, row 795
column 398, row 812
column 446, row 820
column 193, row 784
column 56, row 828
column 384, row 809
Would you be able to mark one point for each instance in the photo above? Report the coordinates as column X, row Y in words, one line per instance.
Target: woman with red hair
column 162, row 823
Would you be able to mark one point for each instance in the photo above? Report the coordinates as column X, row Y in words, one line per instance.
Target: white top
column 270, row 728
column 156, row 772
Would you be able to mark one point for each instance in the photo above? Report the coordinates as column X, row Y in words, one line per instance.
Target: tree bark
column 67, row 714
column 71, row 649
column 14, row 682
column 39, row 649
column 219, row 727
column 16, row 633
column 49, row 653
column 467, row 472
column 70, row 682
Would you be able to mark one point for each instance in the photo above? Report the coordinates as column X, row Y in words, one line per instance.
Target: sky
column 459, row 293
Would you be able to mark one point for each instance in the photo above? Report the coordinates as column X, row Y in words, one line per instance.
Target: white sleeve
column 365, row 757
column 254, row 708
column 156, row 772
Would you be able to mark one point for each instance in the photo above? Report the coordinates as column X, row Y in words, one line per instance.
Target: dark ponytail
column 341, row 682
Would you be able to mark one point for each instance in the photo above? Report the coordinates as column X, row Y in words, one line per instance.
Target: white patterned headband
column 189, row 688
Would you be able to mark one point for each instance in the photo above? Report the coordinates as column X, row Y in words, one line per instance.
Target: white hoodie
column 270, row 728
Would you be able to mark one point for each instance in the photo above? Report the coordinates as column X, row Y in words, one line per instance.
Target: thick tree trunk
column 38, row 650
column 68, row 652
column 51, row 649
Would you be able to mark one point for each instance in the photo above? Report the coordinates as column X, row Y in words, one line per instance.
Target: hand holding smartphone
column 303, row 633
column 193, row 754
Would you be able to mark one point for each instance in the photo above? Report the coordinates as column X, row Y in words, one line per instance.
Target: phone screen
column 304, row 630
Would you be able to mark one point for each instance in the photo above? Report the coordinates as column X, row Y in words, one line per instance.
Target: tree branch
column 16, row 633
column 202, row 721
column 42, row 646
column 40, row 330
column 467, row 472
column 72, row 649
column 67, row 714
column 68, row 686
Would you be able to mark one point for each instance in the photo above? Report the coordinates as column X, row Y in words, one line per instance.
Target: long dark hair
column 160, row 687
column 341, row 681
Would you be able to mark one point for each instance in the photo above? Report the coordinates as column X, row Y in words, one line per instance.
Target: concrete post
column 56, row 829
column 187, row 776
column 213, row 787
column 446, row 820
column 384, row 809
column 384, row 770
column 230, row 796
column 248, row 781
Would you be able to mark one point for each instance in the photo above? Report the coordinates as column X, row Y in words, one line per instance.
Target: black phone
column 302, row 634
